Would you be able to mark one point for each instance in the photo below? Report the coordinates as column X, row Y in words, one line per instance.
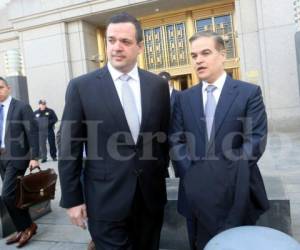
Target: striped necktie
column 130, row 108
column 210, row 108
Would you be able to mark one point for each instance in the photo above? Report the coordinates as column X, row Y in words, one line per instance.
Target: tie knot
column 211, row 88
column 124, row 78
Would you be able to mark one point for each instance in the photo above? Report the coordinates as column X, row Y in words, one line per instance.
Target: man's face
column 42, row 106
column 206, row 59
column 4, row 91
column 122, row 47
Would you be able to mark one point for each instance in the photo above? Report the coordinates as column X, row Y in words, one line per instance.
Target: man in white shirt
column 121, row 114
column 218, row 133
column 19, row 150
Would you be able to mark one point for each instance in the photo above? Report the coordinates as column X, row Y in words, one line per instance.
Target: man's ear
column 141, row 46
column 223, row 53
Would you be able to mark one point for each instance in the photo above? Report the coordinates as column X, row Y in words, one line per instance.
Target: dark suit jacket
column 172, row 98
column 21, row 135
column 220, row 181
column 94, row 109
column 46, row 119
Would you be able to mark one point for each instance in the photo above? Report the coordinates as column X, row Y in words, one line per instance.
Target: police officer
column 46, row 119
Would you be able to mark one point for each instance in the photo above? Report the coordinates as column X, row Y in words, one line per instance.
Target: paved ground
column 282, row 160
column 54, row 229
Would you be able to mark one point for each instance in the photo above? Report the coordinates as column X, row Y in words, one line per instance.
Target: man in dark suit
column 19, row 149
column 218, row 133
column 166, row 75
column 172, row 171
column 120, row 113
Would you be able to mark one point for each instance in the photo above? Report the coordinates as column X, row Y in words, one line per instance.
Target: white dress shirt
column 134, row 83
column 170, row 90
column 219, row 83
column 5, row 104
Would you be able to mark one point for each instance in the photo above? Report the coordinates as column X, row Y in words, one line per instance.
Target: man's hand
column 33, row 164
column 78, row 215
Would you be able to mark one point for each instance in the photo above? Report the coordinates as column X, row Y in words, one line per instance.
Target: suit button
column 138, row 171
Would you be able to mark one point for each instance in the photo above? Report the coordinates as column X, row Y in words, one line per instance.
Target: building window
column 223, row 26
column 204, row 25
column 154, row 48
column 166, row 46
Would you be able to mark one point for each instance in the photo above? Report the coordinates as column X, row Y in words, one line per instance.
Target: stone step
column 174, row 234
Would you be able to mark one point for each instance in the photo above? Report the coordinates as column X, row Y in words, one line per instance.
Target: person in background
column 171, row 171
column 46, row 119
column 173, row 91
column 19, row 150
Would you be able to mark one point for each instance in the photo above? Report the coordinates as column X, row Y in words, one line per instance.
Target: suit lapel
column 110, row 96
column 172, row 97
column 228, row 95
column 146, row 102
column 9, row 116
column 196, row 104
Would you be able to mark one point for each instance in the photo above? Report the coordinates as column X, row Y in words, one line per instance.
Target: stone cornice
column 70, row 13
column 8, row 35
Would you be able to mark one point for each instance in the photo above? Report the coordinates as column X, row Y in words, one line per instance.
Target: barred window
column 221, row 25
column 166, row 46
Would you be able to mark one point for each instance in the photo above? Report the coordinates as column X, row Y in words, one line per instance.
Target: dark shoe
column 54, row 159
column 91, row 245
column 15, row 238
column 43, row 160
column 27, row 235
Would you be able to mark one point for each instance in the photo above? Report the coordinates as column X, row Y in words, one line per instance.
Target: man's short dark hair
column 165, row 75
column 42, row 101
column 124, row 17
column 219, row 41
column 4, row 80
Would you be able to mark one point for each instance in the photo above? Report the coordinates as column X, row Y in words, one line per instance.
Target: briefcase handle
column 36, row 167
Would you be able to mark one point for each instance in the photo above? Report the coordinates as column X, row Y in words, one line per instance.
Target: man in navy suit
column 218, row 133
column 120, row 113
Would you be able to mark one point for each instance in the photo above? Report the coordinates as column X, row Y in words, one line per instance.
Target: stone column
column 190, row 30
column 14, row 69
column 101, row 47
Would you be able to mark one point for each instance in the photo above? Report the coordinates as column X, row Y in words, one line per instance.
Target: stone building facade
column 61, row 39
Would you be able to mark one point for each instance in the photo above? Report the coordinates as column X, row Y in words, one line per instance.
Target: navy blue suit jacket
column 172, row 97
column 93, row 116
column 220, row 182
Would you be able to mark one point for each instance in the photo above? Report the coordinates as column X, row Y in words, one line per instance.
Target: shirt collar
column 219, row 83
column 7, row 101
column 115, row 74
